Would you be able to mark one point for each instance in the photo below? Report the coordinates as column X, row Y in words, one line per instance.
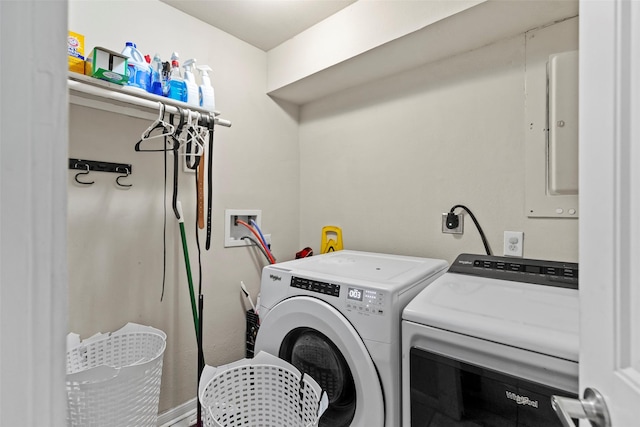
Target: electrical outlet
column 513, row 243
column 453, row 225
column 234, row 232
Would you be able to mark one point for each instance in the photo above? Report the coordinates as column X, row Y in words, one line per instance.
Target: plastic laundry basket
column 264, row 391
column 113, row 380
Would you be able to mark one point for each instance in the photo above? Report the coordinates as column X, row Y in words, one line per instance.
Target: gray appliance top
column 372, row 269
column 528, row 308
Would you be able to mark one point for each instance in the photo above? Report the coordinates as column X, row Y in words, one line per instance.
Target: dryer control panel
column 539, row 272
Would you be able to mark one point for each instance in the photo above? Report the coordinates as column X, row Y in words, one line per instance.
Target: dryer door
column 320, row 341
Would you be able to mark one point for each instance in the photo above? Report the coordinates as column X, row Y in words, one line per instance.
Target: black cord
column 164, row 232
column 255, row 242
column 200, row 355
column 475, row 221
column 200, row 299
column 176, row 147
column 210, row 181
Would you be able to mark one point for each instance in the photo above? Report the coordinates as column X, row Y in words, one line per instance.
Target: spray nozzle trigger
column 203, row 69
column 188, row 63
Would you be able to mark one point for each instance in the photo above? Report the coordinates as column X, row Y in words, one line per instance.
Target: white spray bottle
column 207, row 95
column 190, row 80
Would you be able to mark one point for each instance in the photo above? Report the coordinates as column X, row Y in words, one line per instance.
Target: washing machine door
column 320, row 341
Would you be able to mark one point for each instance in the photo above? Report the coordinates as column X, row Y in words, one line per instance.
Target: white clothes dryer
column 337, row 318
column 489, row 342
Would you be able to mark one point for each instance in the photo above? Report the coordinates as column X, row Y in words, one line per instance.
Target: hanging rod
column 109, row 91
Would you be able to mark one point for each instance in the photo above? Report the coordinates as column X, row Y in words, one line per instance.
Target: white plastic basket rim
column 105, row 372
column 210, row 373
column 73, row 340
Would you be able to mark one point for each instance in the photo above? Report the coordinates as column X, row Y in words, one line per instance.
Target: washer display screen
column 355, row 294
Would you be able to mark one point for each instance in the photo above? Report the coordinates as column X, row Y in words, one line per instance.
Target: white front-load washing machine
column 336, row 317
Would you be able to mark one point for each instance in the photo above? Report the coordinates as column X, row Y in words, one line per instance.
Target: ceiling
column 262, row 23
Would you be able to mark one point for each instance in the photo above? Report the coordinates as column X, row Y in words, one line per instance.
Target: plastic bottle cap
column 174, row 63
column 130, row 44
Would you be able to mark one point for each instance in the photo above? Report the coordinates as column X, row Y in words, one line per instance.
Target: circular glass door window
column 314, row 354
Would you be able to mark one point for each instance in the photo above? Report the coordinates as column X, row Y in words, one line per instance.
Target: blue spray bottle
column 156, row 75
column 177, row 86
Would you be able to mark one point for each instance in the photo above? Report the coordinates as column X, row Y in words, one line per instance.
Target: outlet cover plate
column 513, row 243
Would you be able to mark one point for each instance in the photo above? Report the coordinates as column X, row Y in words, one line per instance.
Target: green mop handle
column 188, row 267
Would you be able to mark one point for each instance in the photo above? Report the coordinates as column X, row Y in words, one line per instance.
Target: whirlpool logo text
column 274, row 277
column 521, row 400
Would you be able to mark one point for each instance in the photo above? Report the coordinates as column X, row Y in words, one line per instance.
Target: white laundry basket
column 113, row 379
column 264, row 391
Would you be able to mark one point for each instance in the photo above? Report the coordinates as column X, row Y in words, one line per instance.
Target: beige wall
column 115, row 236
column 385, row 160
column 382, row 161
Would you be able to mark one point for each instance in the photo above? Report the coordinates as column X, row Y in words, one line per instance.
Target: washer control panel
column 365, row 301
column 358, row 300
column 316, row 286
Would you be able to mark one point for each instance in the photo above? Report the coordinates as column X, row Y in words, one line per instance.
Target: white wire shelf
column 95, row 93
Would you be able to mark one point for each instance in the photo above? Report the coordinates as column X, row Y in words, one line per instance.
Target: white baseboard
column 180, row 416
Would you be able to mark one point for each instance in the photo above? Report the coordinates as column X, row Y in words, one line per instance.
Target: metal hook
column 123, row 176
column 83, row 173
column 161, row 111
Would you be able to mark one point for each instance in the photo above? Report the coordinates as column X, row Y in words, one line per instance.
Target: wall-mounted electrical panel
column 551, row 114
column 563, row 124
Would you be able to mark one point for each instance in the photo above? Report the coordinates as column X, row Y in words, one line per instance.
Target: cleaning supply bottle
column 166, row 72
column 207, row 95
column 147, row 59
column 156, row 76
column 139, row 70
column 177, row 86
column 192, row 88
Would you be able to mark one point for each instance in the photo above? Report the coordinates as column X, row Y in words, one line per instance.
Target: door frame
column 33, row 212
column 609, row 204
